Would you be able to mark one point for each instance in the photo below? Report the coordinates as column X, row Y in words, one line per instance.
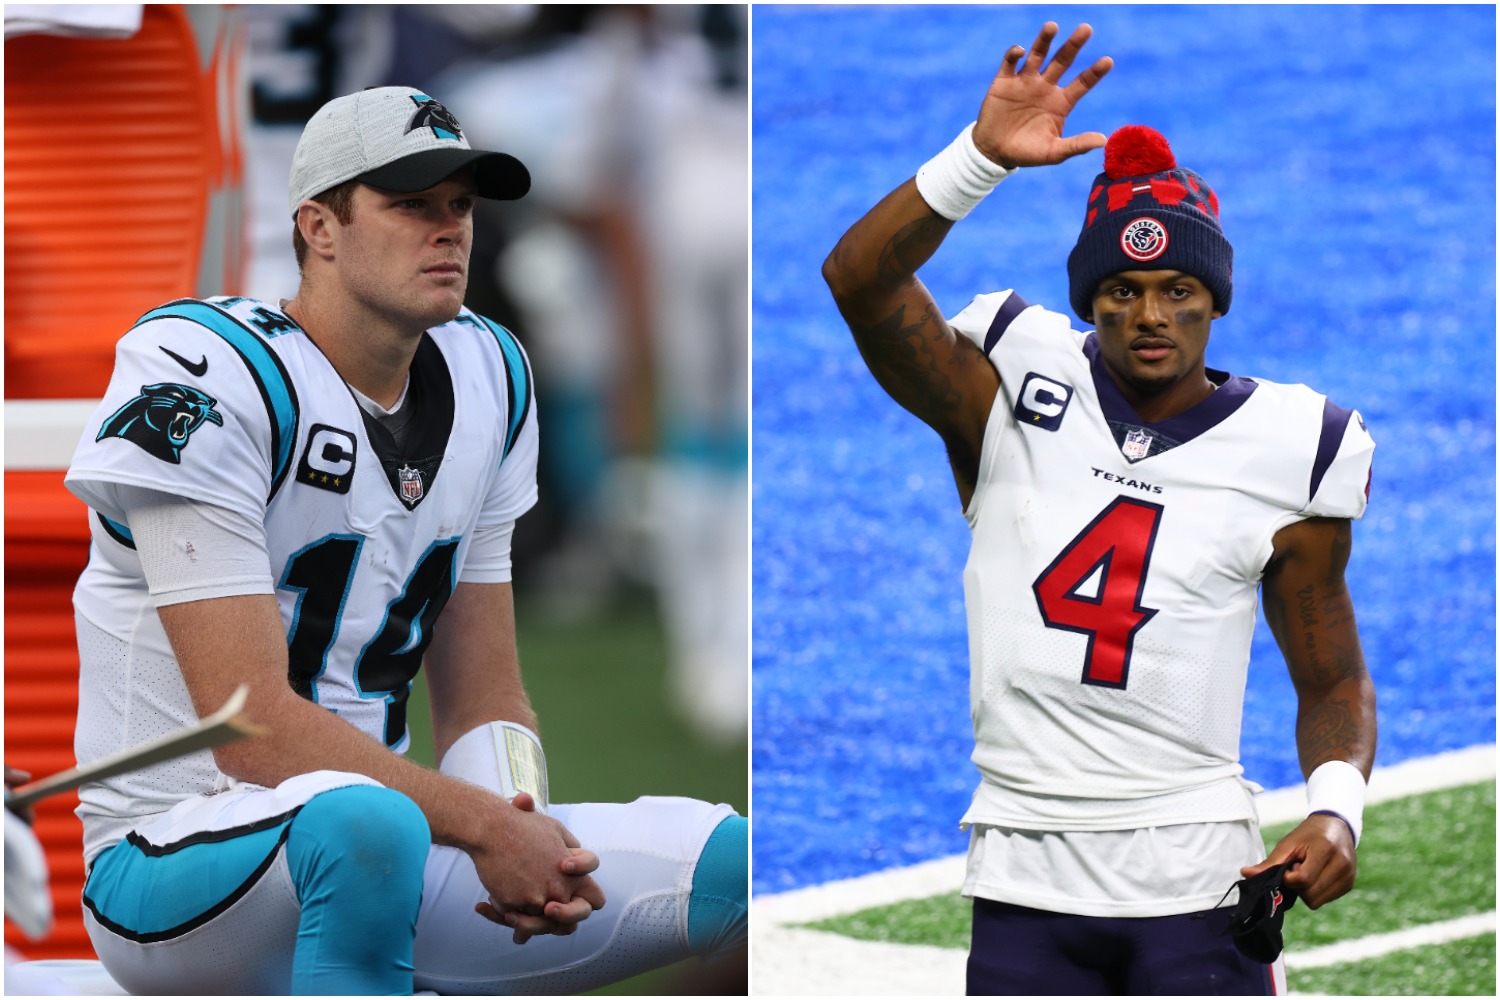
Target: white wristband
column 503, row 757
column 1337, row 787
column 959, row 177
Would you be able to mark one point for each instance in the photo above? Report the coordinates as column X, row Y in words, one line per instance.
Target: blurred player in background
column 631, row 268
column 298, row 58
column 316, row 495
column 1126, row 504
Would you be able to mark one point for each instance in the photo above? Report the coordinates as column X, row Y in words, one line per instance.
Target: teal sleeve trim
column 518, row 382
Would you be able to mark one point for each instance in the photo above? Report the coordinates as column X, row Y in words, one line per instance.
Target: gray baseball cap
column 396, row 138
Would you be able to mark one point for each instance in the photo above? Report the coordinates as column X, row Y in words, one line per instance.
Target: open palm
column 1021, row 119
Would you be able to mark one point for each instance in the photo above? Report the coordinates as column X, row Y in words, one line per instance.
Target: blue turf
column 1353, row 153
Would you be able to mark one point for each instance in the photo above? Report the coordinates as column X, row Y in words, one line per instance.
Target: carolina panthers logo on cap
column 162, row 418
column 1144, row 239
column 433, row 115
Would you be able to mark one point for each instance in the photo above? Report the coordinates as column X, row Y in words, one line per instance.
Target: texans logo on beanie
column 1146, row 213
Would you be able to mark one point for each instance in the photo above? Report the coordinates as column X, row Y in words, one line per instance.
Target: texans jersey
column 1112, row 583
column 228, row 402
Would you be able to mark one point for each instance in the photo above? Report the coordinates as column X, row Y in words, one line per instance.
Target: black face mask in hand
column 1257, row 917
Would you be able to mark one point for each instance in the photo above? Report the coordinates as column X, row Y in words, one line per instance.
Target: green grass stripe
column 1465, row 967
column 1422, row 859
column 938, row 921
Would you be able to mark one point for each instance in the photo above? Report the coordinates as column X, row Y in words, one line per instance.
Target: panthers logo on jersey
column 162, row 418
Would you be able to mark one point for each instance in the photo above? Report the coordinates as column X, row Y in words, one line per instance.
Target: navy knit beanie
column 1148, row 214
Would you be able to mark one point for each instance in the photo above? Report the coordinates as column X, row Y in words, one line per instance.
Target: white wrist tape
column 959, row 177
column 1337, row 787
column 503, row 757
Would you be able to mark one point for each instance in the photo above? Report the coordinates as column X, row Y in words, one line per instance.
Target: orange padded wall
column 123, row 190
column 121, row 159
column 46, row 546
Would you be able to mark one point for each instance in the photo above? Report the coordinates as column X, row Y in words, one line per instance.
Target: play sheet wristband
column 503, row 757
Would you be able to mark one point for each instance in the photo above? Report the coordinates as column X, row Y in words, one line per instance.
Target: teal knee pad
column 721, row 886
column 359, row 833
column 357, row 856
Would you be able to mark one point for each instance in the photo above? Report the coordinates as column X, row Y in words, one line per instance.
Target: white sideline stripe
column 42, row 433
column 818, row 963
column 834, row 899
column 933, row 878
column 1412, row 777
column 1375, row 945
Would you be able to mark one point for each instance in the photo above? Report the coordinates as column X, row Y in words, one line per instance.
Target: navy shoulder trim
column 1009, row 310
column 1335, row 421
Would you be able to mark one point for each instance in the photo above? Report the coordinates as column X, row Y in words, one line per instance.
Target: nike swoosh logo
column 197, row 369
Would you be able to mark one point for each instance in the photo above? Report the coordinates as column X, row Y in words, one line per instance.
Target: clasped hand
column 538, row 876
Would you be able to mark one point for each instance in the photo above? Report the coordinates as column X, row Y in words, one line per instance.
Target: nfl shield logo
column 1137, row 444
column 411, row 483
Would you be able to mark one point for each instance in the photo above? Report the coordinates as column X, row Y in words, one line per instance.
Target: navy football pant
column 1016, row 951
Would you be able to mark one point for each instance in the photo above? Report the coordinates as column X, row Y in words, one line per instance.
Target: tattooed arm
column 914, row 355
column 1310, row 612
column 938, row 375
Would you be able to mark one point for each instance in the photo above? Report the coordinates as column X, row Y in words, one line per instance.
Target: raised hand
column 1021, row 119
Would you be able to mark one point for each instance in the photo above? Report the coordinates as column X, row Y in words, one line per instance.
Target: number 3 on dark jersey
column 1095, row 584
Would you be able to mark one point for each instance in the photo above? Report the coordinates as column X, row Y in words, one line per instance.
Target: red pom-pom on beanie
column 1135, row 150
column 1147, row 213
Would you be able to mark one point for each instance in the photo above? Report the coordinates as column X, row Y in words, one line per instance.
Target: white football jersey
column 226, row 401
column 1112, row 583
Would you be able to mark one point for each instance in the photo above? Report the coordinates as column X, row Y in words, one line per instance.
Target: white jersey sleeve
column 197, row 407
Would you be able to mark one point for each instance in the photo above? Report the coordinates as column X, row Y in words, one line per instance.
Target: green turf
column 598, row 687
column 1458, row 968
column 1422, row 859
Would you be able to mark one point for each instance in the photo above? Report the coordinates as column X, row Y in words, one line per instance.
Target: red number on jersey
column 1094, row 587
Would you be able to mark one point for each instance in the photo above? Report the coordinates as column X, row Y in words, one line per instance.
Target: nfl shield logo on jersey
column 411, row 484
column 1137, row 445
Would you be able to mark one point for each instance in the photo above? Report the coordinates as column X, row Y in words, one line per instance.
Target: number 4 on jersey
column 1095, row 584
